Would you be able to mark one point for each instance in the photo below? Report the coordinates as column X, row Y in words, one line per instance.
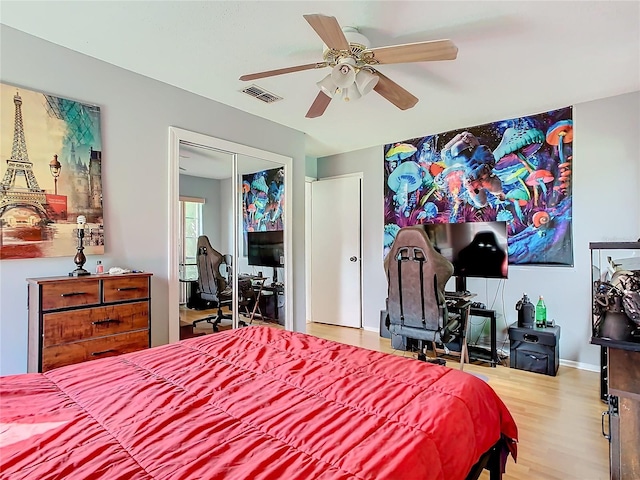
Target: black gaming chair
column 213, row 289
column 417, row 275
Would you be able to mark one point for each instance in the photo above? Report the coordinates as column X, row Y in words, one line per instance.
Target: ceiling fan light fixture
column 366, row 81
column 353, row 36
column 350, row 93
column 327, row 86
column 344, row 73
column 346, row 51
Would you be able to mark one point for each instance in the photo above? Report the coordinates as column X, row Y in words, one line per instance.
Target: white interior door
column 336, row 296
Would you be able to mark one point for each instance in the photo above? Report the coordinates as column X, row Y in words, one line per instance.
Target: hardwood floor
column 558, row 418
column 188, row 316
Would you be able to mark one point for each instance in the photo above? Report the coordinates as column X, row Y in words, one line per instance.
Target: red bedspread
column 253, row 403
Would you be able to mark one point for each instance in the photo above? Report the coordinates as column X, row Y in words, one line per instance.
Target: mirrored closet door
column 228, row 238
column 261, row 241
column 205, row 251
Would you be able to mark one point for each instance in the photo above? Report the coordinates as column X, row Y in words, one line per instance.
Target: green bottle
column 541, row 313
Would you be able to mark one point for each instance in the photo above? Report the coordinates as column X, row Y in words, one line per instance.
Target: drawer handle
column 607, row 434
column 105, row 321
column 72, row 294
column 95, row 354
column 123, row 289
column 527, row 337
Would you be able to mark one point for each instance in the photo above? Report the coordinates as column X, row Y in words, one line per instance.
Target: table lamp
column 80, row 258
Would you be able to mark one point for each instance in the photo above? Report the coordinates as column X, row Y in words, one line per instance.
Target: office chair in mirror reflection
column 214, row 290
column 416, row 305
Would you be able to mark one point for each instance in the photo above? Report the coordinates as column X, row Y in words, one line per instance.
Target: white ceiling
column 198, row 161
column 515, row 58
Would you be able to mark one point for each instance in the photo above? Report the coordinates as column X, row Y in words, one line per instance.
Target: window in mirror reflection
column 190, row 230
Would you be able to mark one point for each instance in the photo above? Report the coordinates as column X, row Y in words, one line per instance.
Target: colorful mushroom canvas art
column 516, row 170
column 263, row 200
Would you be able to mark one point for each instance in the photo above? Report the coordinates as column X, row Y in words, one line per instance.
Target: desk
column 271, row 304
column 463, row 306
column 491, row 315
column 265, row 304
column 478, row 312
column 257, row 284
column 188, row 288
column 460, row 305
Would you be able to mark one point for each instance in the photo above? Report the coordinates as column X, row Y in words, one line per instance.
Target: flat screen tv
column 476, row 249
column 266, row 249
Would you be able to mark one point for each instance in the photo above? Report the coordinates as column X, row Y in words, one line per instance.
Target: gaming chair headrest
column 210, row 279
column 416, row 275
column 416, row 236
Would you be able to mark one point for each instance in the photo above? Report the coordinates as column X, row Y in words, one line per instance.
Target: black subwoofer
column 535, row 349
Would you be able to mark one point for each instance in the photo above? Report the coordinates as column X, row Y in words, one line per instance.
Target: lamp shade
column 350, row 93
column 344, row 73
column 55, row 166
column 366, row 81
column 327, row 86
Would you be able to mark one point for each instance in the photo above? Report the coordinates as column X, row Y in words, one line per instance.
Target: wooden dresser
column 75, row 319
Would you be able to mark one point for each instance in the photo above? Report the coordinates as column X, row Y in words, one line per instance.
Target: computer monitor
column 476, row 249
column 266, row 249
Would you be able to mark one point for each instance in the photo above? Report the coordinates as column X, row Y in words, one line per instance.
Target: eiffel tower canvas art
column 51, row 171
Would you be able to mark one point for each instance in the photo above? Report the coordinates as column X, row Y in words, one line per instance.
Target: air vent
column 262, row 95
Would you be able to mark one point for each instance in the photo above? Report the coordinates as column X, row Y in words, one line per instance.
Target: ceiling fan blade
column 413, row 52
column 282, row 71
column 394, row 93
column 328, row 29
column 318, row 106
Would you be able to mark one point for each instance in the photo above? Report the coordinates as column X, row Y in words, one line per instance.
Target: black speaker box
column 384, row 331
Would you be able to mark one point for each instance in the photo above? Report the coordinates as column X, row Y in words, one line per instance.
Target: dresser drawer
column 124, row 288
column 70, row 294
column 69, row 353
column 84, row 324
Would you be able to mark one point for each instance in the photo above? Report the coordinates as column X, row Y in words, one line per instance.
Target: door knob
column 353, row 259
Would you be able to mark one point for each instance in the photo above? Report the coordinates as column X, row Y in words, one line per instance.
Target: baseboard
column 582, row 366
column 371, row 329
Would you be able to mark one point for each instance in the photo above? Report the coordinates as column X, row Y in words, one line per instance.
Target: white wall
column 209, row 189
column 311, row 168
column 136, row 114
column 226, row 215
column 606, row 170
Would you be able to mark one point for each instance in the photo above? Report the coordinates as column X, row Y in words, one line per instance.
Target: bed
column 252, row 403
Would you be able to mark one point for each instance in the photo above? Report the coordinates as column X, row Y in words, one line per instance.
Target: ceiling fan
column 351, row 60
